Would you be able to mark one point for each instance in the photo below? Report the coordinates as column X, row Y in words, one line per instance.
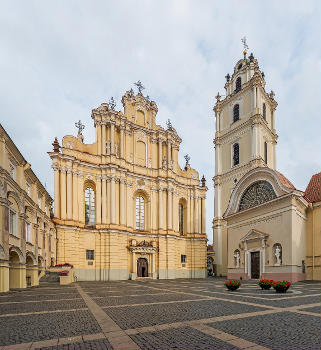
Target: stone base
column 133, row 276
column 288, row 276
column 17, row 277
column 4, row 278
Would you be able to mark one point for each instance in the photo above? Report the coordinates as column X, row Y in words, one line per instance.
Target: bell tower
column 245, row 138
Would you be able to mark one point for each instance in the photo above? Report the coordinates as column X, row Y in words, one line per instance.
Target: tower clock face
column 257, row 193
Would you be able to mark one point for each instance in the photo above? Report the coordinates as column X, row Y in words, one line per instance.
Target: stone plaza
column 160, row 314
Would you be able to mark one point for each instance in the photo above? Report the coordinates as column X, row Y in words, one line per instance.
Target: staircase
column 49, row 277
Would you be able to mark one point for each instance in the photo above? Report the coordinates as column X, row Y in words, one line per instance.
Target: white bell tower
column 245, row 138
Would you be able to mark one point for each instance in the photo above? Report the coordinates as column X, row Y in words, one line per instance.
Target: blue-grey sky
column 60, row 59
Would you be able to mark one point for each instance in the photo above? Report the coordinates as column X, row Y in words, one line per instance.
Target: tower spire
column 245, row 46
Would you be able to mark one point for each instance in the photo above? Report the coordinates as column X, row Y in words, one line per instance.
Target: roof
column 313, row 191
column 286, row 182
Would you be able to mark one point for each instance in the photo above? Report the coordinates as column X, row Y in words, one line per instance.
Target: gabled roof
column 286, row 182
column 313, row 191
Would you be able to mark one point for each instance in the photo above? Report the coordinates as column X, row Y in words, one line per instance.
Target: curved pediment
column 258, row 186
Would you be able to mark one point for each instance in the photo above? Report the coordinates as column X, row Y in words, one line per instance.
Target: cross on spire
column 79, row 126
column 112, row 103
column 139, row 86
column 245, row 46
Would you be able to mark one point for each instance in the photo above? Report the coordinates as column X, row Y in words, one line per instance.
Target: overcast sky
column 61, row 59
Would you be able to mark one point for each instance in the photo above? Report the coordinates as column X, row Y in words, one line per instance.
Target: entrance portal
column 255, row 265
column 142, row 267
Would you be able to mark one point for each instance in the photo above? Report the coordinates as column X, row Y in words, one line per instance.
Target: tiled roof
column 313, row 192
column 287, row 183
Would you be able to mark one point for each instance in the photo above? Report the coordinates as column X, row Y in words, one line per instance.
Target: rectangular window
column 183, row 258
column 181, row 219
column 13, row 223
column 265, row 152
column 28, row 232
column 90, row 254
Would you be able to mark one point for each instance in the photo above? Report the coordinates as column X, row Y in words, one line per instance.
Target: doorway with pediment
column 142, row 267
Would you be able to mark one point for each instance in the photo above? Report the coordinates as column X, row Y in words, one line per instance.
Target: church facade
column 263, row 226
column 123, row 206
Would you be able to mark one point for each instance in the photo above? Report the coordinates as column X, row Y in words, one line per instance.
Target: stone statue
column 164, row 162
column 108, row 146
column 278, row 255
column 237, row 258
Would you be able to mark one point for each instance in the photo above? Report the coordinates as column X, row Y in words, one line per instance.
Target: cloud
column 61, row 59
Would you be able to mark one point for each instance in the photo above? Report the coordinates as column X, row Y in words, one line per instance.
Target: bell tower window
column 238, row 84
column 236, row 154
column 264, row 111
column 265, row 152
column 236, row 113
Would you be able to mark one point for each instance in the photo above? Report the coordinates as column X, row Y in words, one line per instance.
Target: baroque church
column 263, row 226
column 123, row 206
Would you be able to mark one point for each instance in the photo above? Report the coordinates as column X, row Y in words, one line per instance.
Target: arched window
column 90, row 205
column 140, row 213
column 236, row 113
column 238, row 84
column 264, row 111
column 181, row 218
column 236, row 154
column 256, row 194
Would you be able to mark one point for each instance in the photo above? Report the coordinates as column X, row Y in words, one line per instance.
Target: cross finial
column 112, row 103
column 187, row 158
column 139, row 86
column 79, row 126
column 245, row 46
column 218, row 97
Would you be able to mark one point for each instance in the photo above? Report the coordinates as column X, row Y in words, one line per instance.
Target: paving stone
column 26, row 328
column 281, row 331
column 185, row 338
column 97, row 344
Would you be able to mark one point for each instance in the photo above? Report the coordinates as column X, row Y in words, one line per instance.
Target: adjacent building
column 123, row 206
column 27, row 234
column 263, row 226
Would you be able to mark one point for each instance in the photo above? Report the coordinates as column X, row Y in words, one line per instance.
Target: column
column 159, row 153
column 160, row 208
column 153, row 264
column 103, row 144
column 254, row 97
column 218, row 167
column 129, row 207
column 272, row 120
column 98, row 137
column 168, row 153
column 57, row 190
column 108, row 199
column 122, row 142
column 112, row 139
column 196, row 214
column 122, row 207
column 75, row 197
column 134, row 262
column 98, row 200
column 169, row 209
column 69, row 194
column 104, row 201
column 188, row 218
column 63, row 193
column 81, row 205
column 112, row 200
column 203, row 218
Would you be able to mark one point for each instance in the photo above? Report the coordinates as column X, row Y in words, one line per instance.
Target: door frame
column 259, row 261
column 147, row 266
column 248, row 261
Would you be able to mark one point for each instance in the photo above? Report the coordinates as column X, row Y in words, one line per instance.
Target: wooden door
column 255, row 265
column 142, row 267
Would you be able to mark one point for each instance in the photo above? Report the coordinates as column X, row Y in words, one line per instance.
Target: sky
column 60, row 59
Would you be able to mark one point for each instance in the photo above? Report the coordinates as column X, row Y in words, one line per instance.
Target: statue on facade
column 112, row 104
column 139, row 86
column 108, row 146
column 237, row 258
column 277, row 254
column 80, row 128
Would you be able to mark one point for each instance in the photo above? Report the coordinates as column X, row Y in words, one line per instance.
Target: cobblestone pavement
column 160, row 314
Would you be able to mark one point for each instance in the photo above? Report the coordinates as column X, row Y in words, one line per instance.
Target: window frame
column 183, row 258
column 238, row 84
column 91, row 209
column 236, row 113
column 233, row 154
column 140, row 212
column 265, row 152
column 264, row 111
column 181, row 218
column 28, row 227
column 13, row 225
column 90, row 254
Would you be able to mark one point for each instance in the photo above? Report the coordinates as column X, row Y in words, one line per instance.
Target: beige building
column 262, row 224
column 27, row 234
column 123, row 206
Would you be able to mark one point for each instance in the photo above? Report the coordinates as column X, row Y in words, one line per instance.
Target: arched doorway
column 142, row 267
column 17, row 271
column 32, row 278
